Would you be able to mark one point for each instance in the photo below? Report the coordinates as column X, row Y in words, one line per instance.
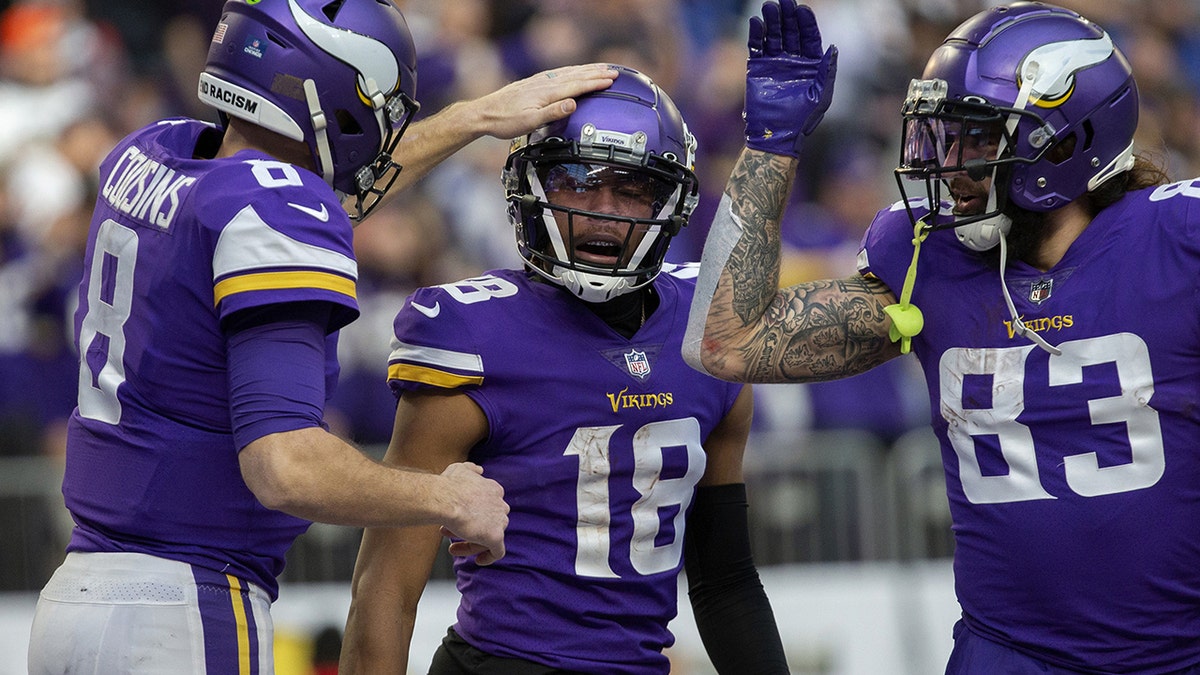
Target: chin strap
column 1019, row 326
column 319, row 123
column 907, row 319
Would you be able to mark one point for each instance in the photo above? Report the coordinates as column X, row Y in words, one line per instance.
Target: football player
column 219, row 268
column 564, row 381
column 1045, row 276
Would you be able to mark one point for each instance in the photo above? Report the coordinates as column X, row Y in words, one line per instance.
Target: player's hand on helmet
column 524, row 105
column 789, row 79
column 481, row 514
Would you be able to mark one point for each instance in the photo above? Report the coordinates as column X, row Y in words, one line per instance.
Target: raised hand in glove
column 789, row 80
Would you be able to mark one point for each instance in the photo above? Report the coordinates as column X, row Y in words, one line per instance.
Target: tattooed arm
column 741, row 326
column 744, row 328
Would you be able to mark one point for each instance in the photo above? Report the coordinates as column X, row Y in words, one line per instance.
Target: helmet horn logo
column 1052, row 68
column 370, row 57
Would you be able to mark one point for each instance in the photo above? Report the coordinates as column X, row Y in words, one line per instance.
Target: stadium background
column 848, row 512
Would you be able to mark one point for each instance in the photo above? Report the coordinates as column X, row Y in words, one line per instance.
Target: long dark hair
column 1027, row 234
column 1144, row 173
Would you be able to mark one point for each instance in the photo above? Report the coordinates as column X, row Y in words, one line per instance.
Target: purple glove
column 789, row 82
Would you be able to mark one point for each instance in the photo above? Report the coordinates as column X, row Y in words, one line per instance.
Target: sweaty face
column 601, row 190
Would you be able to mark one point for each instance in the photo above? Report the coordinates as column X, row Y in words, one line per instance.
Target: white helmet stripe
column 371, row 58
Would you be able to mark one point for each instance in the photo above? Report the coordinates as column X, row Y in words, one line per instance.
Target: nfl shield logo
column 638, row 364
column 1040, row 290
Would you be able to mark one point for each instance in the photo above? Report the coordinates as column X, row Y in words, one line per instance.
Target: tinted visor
column 944, row 143
column 635, row 193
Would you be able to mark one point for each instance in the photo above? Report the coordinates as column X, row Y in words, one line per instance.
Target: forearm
column 744, row 328
column 746, row 249
column 738, row 629
column 739, row 268
column 733, row 615
column 511, row 111
column 293, row 465
column 312, row 474
column 430, row 141
column 377, row 639
column 289, row 462
column 391, row 572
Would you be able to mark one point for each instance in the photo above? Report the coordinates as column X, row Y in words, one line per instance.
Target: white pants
column 108, row 613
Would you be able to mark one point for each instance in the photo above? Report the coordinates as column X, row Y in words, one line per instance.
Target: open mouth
column 968, row 199
column 599, row 250
column 968, row 205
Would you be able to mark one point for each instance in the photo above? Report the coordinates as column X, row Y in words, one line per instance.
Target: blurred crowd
column 76, row 75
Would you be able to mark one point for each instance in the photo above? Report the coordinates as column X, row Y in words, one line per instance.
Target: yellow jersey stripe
column 243, row 631
column 437, row 378
column 265, row 281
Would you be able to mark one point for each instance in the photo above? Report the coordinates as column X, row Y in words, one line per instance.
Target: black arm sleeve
column 732, row 612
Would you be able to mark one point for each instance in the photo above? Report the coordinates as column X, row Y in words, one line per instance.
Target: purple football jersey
column 1073, row 480
column 597, row 440
column 176, row 245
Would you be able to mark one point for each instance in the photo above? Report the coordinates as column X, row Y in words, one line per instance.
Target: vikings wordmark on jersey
column 1095, row 447
column 601, row 490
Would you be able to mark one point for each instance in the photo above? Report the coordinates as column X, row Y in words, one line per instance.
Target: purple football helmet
column 339, row 75
column 1045, row 89
column 630, row 133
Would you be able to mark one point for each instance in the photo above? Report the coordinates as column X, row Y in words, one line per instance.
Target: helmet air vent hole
column 1089, row 134
column 1063, row 150
column 331, row 10
column 347, row 124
